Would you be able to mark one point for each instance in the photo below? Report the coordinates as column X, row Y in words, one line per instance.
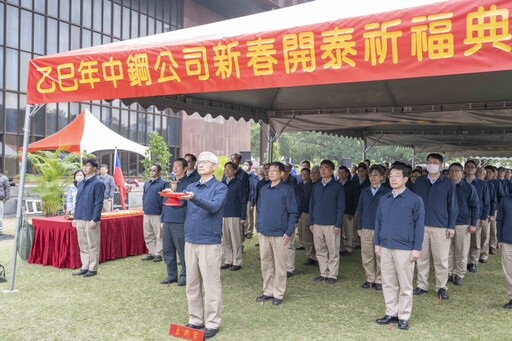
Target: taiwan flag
column 119, row 180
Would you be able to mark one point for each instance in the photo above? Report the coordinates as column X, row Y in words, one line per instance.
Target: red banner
column 453, row 37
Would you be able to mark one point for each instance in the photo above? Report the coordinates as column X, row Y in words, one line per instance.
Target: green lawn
column 126, row 302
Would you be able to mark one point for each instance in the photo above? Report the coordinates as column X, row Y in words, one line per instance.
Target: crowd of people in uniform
column 400, row 217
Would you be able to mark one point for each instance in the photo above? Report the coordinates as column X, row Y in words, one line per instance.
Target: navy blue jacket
column 484, row 202
column 151, row 200
column 236, row 202
column 241, row 175
column 276, row 210
column 194, row 176
column 89, row 199
column 504, row 186
column 400, row 221
column 440, row 201
column 327, row 204
column 467, row 200
column 305, row 192
column 203, row 222
column 367, row 206
column 253, row 182
column 292, row 181
column 492, row 198
column 504, row 220
column 356, row 188
column 499, row 190
column 176, row 214
column 347, row 187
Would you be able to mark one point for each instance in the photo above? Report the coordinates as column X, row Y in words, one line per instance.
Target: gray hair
column 209, row 156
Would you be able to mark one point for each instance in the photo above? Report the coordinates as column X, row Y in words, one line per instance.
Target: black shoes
column 235, row 267
column 148, row 257
column 182, row 283
column 345, row 253
column 289, row 274
column 387, row 319
column 226, row 266
column 482, row 260
column 331, row 281
column 367, row 285
column 403, row 324
column 472, row 267
column 442, row 294
column 210, row 332
column 450, row 278
column 419, row 291
column 168, row 281
column 310, row 261
column 264, row 298
column 457, row 280
column 508, row 305
column 319, row 279
column 378, row 286
column 193, row 326
column 276, row 301
column 81, row 272
column 90, row 273
column 157, row 259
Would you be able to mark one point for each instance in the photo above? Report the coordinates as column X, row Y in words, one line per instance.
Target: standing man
column 277, row 215
column 305, row 234
column 440, row 201
column 253, row 182
column 486, row 229
column 203, row 231
column 5, row 193
column 470, row 169
column 191, row 170
column 289, row 179
column 347, row 235
column 173, row 230
column 152, row 205
column 399, row 231
column 467, row 217
column 504, row 229
column 358, row 183
column 500, row 192
column 366, row 211
column 88, row 205
column 110, row 188
column 326, row 209
column 233, row 218
column 241, row 175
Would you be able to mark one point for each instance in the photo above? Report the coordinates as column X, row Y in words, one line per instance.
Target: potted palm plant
column 52, row 171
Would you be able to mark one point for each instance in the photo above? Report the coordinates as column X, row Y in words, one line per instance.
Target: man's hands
column 337, row 231
column 92, row 225
column 450, row 233
column 189, row 196
column 471, row 229
column 413, row 256
column 286, row 239
column 378, row 250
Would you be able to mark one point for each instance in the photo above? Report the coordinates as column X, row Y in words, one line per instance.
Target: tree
column 157, row 152
column 52, row 176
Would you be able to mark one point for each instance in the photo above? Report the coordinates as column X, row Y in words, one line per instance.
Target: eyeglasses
column 202, row 162
column 374, row 175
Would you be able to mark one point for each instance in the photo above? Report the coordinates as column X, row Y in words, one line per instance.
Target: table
column 56, row 240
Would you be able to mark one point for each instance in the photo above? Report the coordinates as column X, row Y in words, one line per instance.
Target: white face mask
column 432, row 168
column 79, row 178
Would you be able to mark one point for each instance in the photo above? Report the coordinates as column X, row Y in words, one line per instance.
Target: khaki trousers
column 153, row 234
column 203, row 273
column 397, row 274
column 371, row 263
column 248, row 226
column 485, row 238
column 89, row 243
column 327, row 246
column 108, row 205
column 356, row 240
column 506, row 263
column 232, row 240
column 459, row 248
column 474, row 248
column 493, row 239
column 307, row 236
column 437, row 245
column 348, row 233
column 273, row 265
column 290, row 253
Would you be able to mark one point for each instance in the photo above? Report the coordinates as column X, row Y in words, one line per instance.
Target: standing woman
column 73, row 189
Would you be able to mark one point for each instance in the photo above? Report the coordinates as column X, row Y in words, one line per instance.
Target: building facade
column 32, row 28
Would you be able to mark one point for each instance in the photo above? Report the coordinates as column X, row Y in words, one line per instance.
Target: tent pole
column 365, row 146
column 270, row 147
column 413, row 156
column 23, row 170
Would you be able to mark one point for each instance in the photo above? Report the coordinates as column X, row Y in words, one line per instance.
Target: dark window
column 62, row 120
column 51, row 118
column 11, row 112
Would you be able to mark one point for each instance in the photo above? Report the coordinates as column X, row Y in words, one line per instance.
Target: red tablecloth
column 56, row 241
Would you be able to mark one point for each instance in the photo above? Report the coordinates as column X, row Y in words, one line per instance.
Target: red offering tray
column 173, row 198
